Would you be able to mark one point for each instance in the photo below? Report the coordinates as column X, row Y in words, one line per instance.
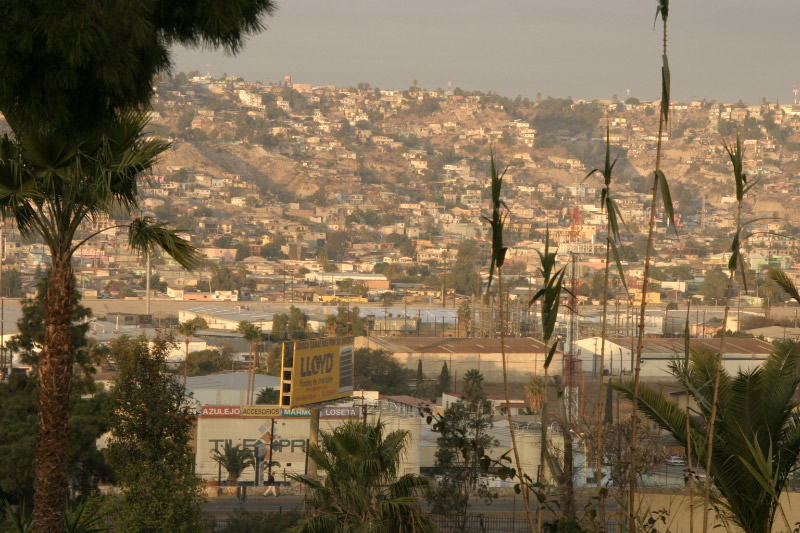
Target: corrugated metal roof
column 458, row 345
column 733, row 345
column 230, row 381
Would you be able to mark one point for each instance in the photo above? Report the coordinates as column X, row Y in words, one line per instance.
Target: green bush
column 260, row 522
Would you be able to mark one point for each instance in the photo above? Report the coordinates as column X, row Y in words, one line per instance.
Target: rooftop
column 458, row 345
column 230, row 381
column 733, row 345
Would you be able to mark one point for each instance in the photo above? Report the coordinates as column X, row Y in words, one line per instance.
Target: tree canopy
column 78, row 64
column 378, row 370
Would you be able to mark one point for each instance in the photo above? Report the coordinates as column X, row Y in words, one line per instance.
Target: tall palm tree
column 187, row 329
column 245, row 328
column 234, row 459
column 756, row 440
column 50, row 183
column 361, row 490
column 254, row 335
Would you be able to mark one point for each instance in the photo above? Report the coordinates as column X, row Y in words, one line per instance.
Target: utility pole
column 147, row 286
column 313, row 439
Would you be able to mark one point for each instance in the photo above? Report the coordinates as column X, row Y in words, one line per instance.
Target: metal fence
column 491, row 524
column 447, row 524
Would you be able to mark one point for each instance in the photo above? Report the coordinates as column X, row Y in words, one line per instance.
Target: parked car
column 676, row 460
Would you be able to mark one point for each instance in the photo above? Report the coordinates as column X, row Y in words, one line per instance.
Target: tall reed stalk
column 498, row 258
column 612, row 237
column 659, row 182
column 550, row 296
column 686, row 353
column 735, row 155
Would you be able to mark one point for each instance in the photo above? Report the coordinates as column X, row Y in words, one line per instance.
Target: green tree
column 378, row 370
column 473, row 382
column 464, row 274
column 55, row 80
column 187, row 329
column 223, row 279
column 293, row 325
column 18, row 417
column 345, row 322
column 362, row 490
column 68, row 83
column 534, row 392
column 205, row 362
column 55, row 180
column 444, row 379
column 30, row 339
column 234, row 459
column 151, row 428
column 242, row 251
column 268, row 396
column 714, row 284
column 464, row 434
column 12, row 283
column 756, row 435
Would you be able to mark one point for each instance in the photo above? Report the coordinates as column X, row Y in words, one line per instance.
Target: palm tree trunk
column 186, row 364
column 55, row 380
column 520, row 474
column 252, row 370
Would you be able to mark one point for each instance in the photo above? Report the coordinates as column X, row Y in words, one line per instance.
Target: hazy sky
column 719, row 49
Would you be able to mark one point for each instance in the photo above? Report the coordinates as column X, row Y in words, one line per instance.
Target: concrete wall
column 521, row 366
column 290, row 438
column 680, row 510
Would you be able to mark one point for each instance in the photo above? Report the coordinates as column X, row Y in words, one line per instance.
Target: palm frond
column 784, row 282
column 145, row 236
column 756, row 439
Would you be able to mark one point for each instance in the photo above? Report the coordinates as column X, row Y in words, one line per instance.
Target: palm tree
column 245, row 329
column 267, row 396
column 473, row 380
column 534, row 391
column 756, row 439
column 234, row 459
column 187, row 329
column 254, row 335
column 362, row 490
column 50, row 184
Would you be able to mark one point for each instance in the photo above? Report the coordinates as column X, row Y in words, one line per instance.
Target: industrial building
column 525, row 356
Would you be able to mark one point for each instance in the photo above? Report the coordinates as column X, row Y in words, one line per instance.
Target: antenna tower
column 796, row 91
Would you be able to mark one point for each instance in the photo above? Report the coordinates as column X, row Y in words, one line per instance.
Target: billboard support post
column 271, row 441
column 313, row 439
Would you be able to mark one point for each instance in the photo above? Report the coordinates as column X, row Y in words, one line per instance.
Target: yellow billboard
column 316, row 371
